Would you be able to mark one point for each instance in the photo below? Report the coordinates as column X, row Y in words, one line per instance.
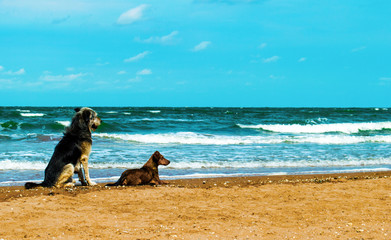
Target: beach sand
column 336, row 206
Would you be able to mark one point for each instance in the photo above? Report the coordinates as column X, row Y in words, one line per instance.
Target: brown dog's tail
column 30, row 185
column 111, row 185
column 117, row 183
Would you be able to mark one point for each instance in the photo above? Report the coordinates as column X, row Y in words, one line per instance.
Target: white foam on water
column 321, row 128
column 32, row 114
column 165, row 120
column 41, row 165
column 23, row 110
column 278, row 164
column 8, row 164
column 210, row 139
column 124, row 165
column 154, row 111
column 64, row 123
column 182, row 138
column 259, row 164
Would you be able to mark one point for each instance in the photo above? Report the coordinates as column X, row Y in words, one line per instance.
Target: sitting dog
column 148, row 174
column 71, row 152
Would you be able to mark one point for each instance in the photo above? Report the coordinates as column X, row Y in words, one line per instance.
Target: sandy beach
column 335, row 206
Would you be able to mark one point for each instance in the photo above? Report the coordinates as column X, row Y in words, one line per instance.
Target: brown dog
column 148, row 174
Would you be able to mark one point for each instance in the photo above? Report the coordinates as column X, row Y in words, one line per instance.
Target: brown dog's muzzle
column 164, row 162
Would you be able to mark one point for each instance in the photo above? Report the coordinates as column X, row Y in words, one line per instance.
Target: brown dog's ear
column 77, row 109
column 156, row 156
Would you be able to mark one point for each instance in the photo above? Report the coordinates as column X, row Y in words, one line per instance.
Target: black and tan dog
column 71, row 152
column 148, row 174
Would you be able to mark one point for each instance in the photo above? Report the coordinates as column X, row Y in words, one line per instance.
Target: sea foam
column 21, row 165
column 203, row 165
column 321, row 128
column 210, row 139
column 32, row 114
column 64, row 123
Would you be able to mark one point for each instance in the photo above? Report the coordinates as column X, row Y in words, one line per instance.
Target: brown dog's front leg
column 84, row 162
column 157, row 181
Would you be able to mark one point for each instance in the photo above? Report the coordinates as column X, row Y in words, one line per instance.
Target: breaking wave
column 210, row 139
column 348, row 128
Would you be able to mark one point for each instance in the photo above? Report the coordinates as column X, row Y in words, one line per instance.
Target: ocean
column 202, row 142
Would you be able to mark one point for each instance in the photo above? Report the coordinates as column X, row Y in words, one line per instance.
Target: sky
column 195, row 53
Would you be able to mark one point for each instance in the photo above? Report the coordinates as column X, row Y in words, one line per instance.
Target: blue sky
column 242, row 53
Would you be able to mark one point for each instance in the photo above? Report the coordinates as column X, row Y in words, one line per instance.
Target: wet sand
column 328, row 206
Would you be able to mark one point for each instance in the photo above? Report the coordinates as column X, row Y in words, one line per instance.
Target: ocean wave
column 12, row 125
column 348, row 128
column 32, row 114
column 22, row 165
column 278, row 164
column 9, row 125
column 209, row 139
column 268, row 173
column 165, row 120
column 23, row 110
column 181, row 138
column 64, row 123
column 8, row 164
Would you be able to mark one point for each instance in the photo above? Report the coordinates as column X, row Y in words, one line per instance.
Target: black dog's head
column 159, row 159
column 85, row 118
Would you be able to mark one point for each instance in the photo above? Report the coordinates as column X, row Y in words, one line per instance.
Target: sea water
column 202, row 142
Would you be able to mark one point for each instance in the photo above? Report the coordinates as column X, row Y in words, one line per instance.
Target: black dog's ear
column 86, row 115
column 77, row 109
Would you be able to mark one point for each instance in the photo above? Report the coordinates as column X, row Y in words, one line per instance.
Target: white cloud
column 385, row 79
column 137, row 57
column 262, row 45
column 60, row 20
column 162, row 40
column 144, row 72
column 121, row 72
column 302, row 59
column 359, row 49
column 201, row 46
column 62, row 78
column 132, row 15
column 271, row 59
column 274, row 77
column 102, row 63
column 19, row 72
column 134, row 80
column 1, row 68
column 70, row 69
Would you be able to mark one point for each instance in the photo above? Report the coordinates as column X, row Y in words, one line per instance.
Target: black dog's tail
column 30, row 185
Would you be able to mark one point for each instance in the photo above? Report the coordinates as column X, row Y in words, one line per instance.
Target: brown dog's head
column 159, row 159
column 85, row 118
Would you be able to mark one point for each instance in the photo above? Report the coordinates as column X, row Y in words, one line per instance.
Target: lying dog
column 148, row 174
column 71, row 152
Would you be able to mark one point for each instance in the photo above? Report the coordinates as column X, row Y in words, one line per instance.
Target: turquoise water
column 202, row 142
